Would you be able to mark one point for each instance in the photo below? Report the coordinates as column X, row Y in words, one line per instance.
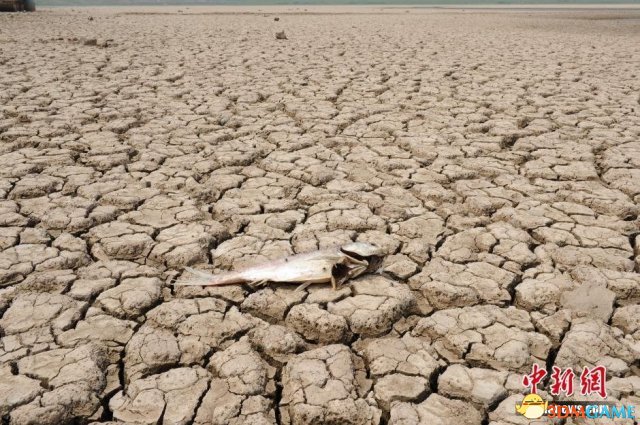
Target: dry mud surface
column 494, row 155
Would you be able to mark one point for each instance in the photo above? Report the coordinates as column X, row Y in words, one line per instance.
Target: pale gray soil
column 493, row 155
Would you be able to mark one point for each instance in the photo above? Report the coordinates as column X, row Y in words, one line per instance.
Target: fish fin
column 259, row 284
column 200, row 278
column 199, row 273
column 303, row 286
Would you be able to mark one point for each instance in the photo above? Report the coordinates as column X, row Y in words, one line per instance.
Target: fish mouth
column 375, row 261
column 340, row 272
column 343, row 272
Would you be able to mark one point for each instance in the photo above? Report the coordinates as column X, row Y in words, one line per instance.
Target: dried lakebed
column 493, row 155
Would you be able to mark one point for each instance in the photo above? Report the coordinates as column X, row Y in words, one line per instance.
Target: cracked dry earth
column 494, row 156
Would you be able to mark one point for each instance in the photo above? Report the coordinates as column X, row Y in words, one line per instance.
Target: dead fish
column 335, row 265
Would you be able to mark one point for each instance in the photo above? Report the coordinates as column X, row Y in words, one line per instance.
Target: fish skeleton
column 335, row 265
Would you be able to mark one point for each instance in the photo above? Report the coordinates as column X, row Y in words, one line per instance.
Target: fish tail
column 200, row 278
